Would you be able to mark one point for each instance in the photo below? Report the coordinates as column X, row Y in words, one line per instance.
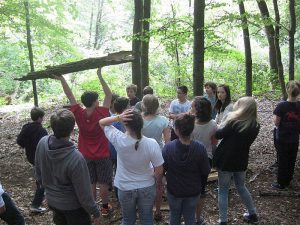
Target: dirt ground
column 16, row 176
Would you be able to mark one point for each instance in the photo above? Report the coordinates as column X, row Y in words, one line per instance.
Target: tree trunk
column 29, row 46
column 136, row 45
column 278, row 52
column 145, row 44
column 292, row 32
column 270, row 33
column 98, row 25
column 91, row 26
column 178, row 72
column 247, row 44
column 198, row 50
column 86, row 64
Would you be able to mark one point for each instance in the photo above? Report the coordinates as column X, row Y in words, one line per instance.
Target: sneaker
column 277, row 186
column 106, row 211
column 35, row 209
column 253, row 219
column 201, row 221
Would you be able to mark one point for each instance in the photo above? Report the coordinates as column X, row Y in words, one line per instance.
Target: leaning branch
column 85, row 64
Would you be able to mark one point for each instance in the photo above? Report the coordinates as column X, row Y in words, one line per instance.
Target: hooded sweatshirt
column 29, row 137
column 185, row 166
column 63, row 172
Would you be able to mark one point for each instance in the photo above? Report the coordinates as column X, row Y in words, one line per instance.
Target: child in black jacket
column 28, row 138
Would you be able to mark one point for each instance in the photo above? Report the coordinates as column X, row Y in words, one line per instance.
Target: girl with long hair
column 223, row 105
column 137, row 155
column 231, row 157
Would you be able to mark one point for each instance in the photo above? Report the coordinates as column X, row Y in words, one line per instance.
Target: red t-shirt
column 92, row 142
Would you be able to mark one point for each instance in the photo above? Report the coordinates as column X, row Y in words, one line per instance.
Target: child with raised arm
column 287, row 121
column 92, row 142
column 62, row 170
column 137, row 155
column 8, row 210
column 28, row 138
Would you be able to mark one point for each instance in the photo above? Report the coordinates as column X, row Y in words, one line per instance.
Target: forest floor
column 16, row 176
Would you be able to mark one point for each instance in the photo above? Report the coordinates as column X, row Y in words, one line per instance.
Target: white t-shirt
column 177, row 107
column 203, row 134
column 221, row 117
column 134, row 169
column 154, row 127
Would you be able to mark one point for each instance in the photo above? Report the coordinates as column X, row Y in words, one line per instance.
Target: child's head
column 90, row 99
column 120, row 104
column 210, row 88
column 224, row 98
column 113, row 98
column 147, row 90
column 184, row 125
column 135, row 125
column 62, row 123
column 37, row 114
column 182, row 92
column 202, row 108
column 150, row 104
column 293, row 88
column 223, row 93
column 245, row 112
column 131, row 91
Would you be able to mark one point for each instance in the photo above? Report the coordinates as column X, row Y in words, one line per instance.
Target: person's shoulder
column 102, row 110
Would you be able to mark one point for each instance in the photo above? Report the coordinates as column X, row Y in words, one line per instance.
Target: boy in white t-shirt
column 178, row 106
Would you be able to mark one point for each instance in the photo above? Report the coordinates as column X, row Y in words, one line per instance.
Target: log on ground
column 85, row 64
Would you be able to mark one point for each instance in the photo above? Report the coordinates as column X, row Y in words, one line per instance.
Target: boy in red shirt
column 92, row 142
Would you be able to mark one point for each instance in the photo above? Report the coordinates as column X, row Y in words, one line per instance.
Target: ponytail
column 136, row 125
column 139, row 136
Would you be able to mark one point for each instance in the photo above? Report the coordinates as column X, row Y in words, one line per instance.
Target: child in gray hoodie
column 63, row 172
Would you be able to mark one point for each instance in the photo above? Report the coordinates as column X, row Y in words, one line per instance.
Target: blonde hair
column 131, row 87
column 244, row 113
column 293, row 88
column 150, row 104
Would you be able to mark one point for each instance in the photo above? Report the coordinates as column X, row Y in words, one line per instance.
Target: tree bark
column 247, row 44
column 270, row 33
column 98, row 25
column 86, row 64
column 91, row 26
column 136, row 45
column 29, row 46
column 145, row 44
column 278, row 51
column 292, row 32
column 198, row 50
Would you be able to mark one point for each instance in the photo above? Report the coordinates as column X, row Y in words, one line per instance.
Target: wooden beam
column 85, row 64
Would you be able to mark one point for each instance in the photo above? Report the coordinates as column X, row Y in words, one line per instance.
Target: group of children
column 129, row 136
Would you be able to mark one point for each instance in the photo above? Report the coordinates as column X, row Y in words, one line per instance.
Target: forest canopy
column 67, row 31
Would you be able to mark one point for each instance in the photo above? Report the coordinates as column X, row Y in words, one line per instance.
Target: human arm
column 21, row 139
column 276, row 120
column 106, row 89
column 158, row 174
column 224, row 132
column 167, row 134
column 67, row 89
column 79, row 176
column 2, row 204
column 123, row 117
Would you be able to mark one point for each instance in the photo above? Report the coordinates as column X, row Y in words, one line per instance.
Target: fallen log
column 85, row 64
column 295, row 194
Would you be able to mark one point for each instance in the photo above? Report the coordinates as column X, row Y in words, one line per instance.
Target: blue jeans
column 182, row 206
column 143, row 199
column 12, row 215
column 224, row 184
